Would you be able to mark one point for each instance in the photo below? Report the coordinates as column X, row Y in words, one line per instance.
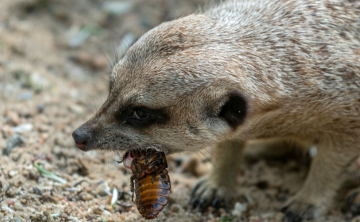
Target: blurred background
column 55, row 56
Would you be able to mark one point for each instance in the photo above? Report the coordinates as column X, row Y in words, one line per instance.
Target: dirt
column 54, row 60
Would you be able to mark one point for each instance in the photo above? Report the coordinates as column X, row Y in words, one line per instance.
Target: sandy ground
column 54, row 60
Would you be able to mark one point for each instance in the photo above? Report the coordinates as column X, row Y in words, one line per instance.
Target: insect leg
column 157, row 172
column 132, row 186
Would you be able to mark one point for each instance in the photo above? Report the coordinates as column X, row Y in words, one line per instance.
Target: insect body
column 152, row 182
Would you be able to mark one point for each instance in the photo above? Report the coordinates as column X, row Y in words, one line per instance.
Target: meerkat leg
column 321, row 185
column 217, row 188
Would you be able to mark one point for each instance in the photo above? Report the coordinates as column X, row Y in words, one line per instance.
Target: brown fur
column 296, row 64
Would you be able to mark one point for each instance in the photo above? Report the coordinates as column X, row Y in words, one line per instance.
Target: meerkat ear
column 234, row 110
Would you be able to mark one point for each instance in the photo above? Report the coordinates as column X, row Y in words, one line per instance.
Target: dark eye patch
column 234, row 110
column 153, row 116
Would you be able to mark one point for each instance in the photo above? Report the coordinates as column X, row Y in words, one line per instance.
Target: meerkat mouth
column 127, row 159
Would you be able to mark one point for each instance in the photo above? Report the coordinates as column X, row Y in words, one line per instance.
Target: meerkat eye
column 141, row 114
column 139, row 117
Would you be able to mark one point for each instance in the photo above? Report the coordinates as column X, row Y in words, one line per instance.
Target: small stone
column 99, row 63
column 103, row 189
column 25, row 96
column 10, row 192
column 238, row 209
column 97, row 211
column 64, row 216
column 76, row 109
column 37, row 191
column 279, row 216
column 175, row 208
column 255, row 219
column 85, row 197
column 194, row 166
column 16, row 219
column 18, row 206
column 41, row 108
column 24, row 201
column 13, row 118
column 26, row 127
column 11, row 202
column 15, row 141
column 48, row 198
column 46, row 213
column 117, row 8
column 68, row 210
column 76, row 36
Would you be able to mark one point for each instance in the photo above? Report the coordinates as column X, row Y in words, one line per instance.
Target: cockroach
column 150, row 181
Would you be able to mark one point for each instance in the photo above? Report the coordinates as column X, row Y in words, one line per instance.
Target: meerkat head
column 176, row 89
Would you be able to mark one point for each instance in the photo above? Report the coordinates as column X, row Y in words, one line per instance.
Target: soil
column 54, row 59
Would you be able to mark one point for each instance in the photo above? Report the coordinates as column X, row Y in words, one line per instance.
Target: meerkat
column 286, row 70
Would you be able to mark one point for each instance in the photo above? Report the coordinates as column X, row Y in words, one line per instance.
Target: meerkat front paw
column 209, row 192
column 297, row 211
column 352, row 204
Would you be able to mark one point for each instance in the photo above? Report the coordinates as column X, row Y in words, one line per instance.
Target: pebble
column 46, row 213
column 85, row 197
column 103, row 189
column 37, row 191
column 279, row 216
column 25, row 96
column 194, row 166
column 99, row 63
column 97, row 211
column 24, row 201
column 76, row 36
column 18, row 206
column 175, row 208
column 64, row 216
column 10, row 192
column 5, row 208
column 76, row 109
column 16, row 219
column 48, row 198
column 255, row 219
column 14, row 141
column 26, row 127
column 11, row 202
column 117, row 8
column 68, row 210
column 13, row 117
column 41, row 108
column 238, row 209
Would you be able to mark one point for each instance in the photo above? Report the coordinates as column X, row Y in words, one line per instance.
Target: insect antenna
column 122, row 159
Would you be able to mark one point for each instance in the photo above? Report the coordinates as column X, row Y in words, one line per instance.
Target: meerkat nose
column 80, row 138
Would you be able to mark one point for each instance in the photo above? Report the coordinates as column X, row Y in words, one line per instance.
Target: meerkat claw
column 297, row 212
column 351, row 207
column 206, row 195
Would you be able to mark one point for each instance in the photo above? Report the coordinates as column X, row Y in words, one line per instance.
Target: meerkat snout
column 80, row 138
